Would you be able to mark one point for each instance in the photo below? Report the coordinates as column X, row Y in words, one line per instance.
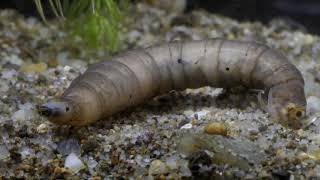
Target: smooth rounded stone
column 4, row 87
column 172, row 162
column 73, row 163
column 26, row 151
column 157, row 167
column 311, row 87
column 9, row 74
column 23, row 115
column 78, row 64
column 188, row 113
column 4, row 153
column 68, row 146
column 313, row 105
column 13, row 59
column 216, row 128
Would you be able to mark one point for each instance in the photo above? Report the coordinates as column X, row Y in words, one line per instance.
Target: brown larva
column 133, row 77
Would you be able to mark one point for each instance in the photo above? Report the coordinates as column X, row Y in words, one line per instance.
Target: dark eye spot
column 227, row 69
column 299, row 114
column 67, row 109
column 179, row 61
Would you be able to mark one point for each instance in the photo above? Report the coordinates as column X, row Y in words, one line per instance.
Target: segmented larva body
column 135, row 76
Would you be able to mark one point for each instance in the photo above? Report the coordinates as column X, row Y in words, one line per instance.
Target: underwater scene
column 159, row 89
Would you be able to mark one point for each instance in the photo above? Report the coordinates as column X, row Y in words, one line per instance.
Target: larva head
column 58, row 111
column 287, row 103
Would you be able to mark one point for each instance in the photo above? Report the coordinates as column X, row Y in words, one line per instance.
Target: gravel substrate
column 166, row 137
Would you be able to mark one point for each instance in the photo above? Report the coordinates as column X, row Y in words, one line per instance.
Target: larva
column 133, row 77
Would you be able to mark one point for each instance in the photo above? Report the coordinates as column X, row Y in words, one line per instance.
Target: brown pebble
column 194, row 122
column 216, row 128
column 96, row 178
column 59, row 170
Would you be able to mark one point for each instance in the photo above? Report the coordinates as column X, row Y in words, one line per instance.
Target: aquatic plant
column 94, row 22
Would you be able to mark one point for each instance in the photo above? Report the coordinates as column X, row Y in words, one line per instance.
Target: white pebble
column 66, row 68
column 187, row 126
column 313, row 105
column 23, row 115
column 4, row 153
column 9, row 74
column 26, row 151
column 14, row 59
column 172, row 162
column 92, row 163
column 201, row 114
column 42, row 128
column 198, row 115
column 73, row 163
column 3, row 88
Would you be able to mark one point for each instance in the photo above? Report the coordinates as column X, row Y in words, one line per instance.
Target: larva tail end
column 287, row 104
column 293, row 115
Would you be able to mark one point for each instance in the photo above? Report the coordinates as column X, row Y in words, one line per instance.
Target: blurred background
column 300, row 14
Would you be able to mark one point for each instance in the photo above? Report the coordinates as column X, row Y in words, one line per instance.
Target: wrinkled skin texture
column 134, row 77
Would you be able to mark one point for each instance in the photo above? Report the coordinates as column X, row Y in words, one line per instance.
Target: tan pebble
column 216, row 128
column 300, row 132
column 309, row 39
column 59, row 170
column 42, row 128
column 280, row 154
column 96, row 178
column 315, row 154
column 304, row 156
column 34, row 68
column 157, row 167
column 53, row 63
column 194, row 122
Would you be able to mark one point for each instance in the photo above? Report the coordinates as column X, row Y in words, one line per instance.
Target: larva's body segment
column 136, row 76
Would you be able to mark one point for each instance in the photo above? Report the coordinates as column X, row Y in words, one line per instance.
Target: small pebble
column 34, row 68
column 42, row 128
column 73, row 163
column 4, row 153
column 23, row 115
column 216, row 128
column 187, row 126
column 157, row 167
column 313, row 105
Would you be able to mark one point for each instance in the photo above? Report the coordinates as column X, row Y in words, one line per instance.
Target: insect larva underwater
column 134, row 77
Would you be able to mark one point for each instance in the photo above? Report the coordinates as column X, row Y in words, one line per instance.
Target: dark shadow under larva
column 135, row 76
